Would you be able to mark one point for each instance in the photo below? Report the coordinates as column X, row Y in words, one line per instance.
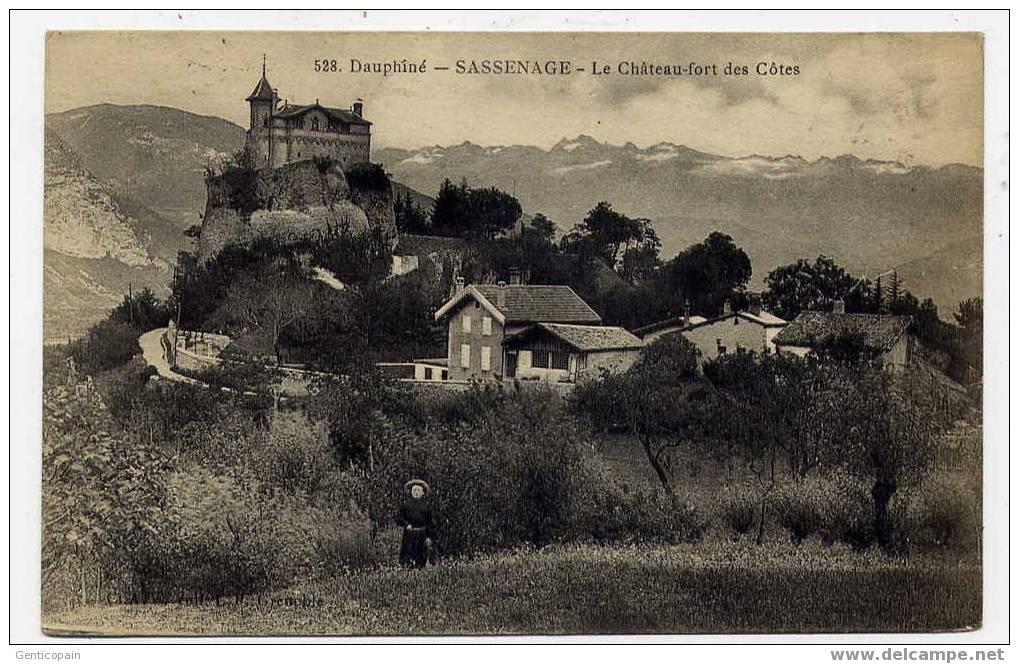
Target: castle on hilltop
column 284, row 133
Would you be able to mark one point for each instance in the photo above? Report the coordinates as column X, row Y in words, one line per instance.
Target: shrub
column 739, row 511
column 108, row 344
column 798, row 509
column 941, row 512
column 847, row 511
column 367, row 176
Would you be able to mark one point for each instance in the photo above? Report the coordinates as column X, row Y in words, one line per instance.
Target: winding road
column 152, row 351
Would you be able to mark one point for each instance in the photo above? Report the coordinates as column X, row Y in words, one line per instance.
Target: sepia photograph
column 422, row 333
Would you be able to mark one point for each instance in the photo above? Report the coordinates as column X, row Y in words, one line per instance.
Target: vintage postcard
column 531, row 333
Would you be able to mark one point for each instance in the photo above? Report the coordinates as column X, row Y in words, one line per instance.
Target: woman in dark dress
column 415, row 516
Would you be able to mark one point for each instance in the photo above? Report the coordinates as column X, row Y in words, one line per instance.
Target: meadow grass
column 710, row 587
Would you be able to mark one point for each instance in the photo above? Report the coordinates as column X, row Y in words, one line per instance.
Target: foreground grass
column 718, row 587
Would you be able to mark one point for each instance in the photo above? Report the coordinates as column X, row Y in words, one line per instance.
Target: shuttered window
column 467, row 324
column 486, row 358
column 465, row 356
column 486, row 326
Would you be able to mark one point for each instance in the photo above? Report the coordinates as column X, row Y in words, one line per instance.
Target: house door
column 511, row 364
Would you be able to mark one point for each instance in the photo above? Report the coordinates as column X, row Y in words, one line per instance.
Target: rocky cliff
column 293, row 202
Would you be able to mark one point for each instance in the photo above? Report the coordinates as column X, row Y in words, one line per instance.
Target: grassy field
column 711, row 587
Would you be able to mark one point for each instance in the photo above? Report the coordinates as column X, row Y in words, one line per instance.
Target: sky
column 916, row 98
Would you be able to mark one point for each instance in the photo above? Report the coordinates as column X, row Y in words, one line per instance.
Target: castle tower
column 263, row 102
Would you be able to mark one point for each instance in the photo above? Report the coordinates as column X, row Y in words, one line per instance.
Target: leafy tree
column 268, row 299
column 609, row 234
column 492, row 212
column 709, row 273
column 894, row 432
column 142, row 310
column 661, row 399
column 803, row 286
column 541, row 226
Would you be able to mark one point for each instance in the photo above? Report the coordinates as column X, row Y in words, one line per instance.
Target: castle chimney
column 357, row 108
column 726, row 308
column 839, row 307
column 500, row 300
column 514, row 276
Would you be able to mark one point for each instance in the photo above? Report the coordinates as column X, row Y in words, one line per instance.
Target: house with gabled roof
column 884, row 335
column 753, row 329
column 526, row 331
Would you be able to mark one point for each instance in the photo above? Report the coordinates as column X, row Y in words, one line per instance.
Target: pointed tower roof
column 263, row 91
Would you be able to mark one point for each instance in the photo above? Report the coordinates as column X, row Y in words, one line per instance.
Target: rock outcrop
column 291, row 203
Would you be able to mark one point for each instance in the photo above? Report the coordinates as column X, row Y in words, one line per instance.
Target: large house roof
column 525, row 304
column 876, row 331
column 262, row 92
column 585, row 338
column 764, row 319
column 335, row 114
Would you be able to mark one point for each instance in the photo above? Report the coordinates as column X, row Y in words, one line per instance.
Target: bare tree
column 269, row 299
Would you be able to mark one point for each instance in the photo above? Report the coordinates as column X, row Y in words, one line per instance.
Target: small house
column 754, row 329
column 555, row 352
column 882, row 334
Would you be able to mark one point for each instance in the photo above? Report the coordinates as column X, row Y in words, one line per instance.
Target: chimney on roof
column 755, row 307
column 500, row 300
column 726, row 308
column 514, row 276
column 456, row 286
column 839, row 307
column 357, row 108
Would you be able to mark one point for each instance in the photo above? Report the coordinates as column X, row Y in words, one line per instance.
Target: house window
column 486, row 358
column 467, row 324
column 559, row 360
column 721, row 348
column 465, row 356
column 539, row 359
column 314, row 124
column 486, row 325
column 428, row 373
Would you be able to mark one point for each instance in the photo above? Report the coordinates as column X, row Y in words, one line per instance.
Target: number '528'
column 325, row 65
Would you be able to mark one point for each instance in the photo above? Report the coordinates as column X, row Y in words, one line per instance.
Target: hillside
column 153, row 154
column 868, row 215
column 97, row 243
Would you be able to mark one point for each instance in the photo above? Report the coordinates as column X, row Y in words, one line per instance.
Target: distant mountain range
column 869, row 215
column 124, row 182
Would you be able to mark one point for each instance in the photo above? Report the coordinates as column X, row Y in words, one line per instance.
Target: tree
column 895, row 425
column 608, row 233
column 541, row 226
column 268, row 299
column 803, row 286
column 971, row 318
column 709, row 273
column 142, row 310
column 410, row 215
column 491, row 212
column 661, row 399
column 461, row 211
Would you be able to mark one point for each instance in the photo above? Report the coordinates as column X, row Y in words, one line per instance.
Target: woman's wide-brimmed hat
column 421, row 483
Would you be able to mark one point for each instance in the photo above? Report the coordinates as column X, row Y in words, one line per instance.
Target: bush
column 108, row 344
column 846, row 509
column 798, row 509
column 367, row 176
column 941, row 512
column 739, row 511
